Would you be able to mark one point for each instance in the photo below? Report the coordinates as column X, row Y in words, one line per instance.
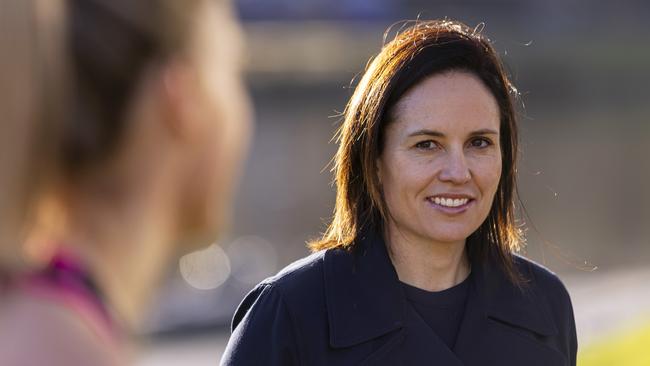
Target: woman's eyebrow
column 427, row 132
column 484, row 131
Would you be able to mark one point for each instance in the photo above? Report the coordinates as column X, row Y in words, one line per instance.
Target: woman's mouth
column 450, row 205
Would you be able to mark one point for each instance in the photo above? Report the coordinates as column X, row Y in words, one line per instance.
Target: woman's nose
column 455, row 169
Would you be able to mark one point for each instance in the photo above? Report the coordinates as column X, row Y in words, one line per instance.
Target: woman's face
column 441, row 161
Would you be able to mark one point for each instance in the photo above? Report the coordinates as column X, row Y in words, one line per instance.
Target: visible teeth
column 450, row 202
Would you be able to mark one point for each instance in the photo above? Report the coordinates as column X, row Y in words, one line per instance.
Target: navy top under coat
column 442, row 310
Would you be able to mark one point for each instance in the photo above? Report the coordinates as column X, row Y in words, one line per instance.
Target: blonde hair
column 31, row 105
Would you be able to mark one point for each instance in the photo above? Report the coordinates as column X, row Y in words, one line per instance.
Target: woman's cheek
column 486, row 176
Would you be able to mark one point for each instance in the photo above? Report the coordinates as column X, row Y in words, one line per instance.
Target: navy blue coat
column 346, row 307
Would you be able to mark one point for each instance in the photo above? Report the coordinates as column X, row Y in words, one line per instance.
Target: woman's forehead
column 448, row 103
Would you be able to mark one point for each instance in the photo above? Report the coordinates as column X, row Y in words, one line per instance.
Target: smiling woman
column 439, row 171
column 455, row 122
column 418, row 265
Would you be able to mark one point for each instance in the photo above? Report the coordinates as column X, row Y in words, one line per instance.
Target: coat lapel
column 366, row 302
column 363, row 297
column 502, row 324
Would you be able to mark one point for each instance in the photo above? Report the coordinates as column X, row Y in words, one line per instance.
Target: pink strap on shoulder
column 66, row 282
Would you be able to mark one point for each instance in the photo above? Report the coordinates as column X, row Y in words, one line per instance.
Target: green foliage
column 631, row 348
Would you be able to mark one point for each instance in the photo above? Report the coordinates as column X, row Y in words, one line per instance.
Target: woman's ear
column 378, row 170
column 177, row 91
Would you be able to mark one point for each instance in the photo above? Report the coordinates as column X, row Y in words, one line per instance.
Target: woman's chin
column 451, row 236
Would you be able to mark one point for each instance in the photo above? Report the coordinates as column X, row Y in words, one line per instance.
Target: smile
column 450, row 204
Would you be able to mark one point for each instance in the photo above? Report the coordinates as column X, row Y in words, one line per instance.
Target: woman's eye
column 481, row 142
column 425, row 145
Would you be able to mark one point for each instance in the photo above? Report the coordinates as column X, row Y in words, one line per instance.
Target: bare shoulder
column 37, row 332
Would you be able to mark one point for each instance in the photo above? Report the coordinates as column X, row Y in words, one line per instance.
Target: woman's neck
column 123, row 245
column 426, row 264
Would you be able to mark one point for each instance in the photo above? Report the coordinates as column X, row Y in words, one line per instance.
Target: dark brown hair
column 425, row 49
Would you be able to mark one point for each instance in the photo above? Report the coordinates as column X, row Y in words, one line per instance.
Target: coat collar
column 521, row 306
column 365, row 300
column 362, row 292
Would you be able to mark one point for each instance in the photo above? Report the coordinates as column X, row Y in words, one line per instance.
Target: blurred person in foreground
column 155, row 128
column 418, row 264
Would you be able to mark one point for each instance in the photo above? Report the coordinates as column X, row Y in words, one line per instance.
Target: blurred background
column 583, row 70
